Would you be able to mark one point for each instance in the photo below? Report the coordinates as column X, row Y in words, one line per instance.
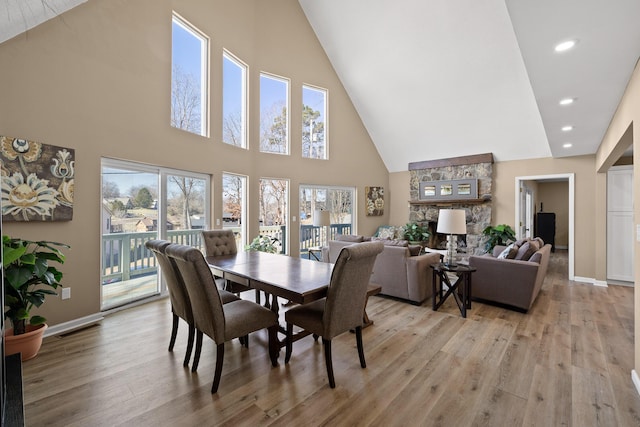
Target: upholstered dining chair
column 180, row 304
column 343, row 306
column 220, row 322
column 223, row 242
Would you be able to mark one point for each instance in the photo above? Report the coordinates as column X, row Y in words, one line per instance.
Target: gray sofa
column 512, row 282
column 399, row 273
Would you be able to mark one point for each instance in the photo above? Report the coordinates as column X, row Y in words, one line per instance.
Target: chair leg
column 187, row 356
column 174, row 332
column 289, row 342
column 274, row 347
column 218, row 374
column 363, row 363
column 258, row 296
column 196, row 357
column 328, row 362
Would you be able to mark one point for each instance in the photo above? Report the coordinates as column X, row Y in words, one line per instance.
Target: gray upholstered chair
column 343, row 306
column 220, row 322
column 219, row 243
column 180, row 304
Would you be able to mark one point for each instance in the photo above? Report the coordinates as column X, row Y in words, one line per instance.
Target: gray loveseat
column 512, row 282
column 399, row 273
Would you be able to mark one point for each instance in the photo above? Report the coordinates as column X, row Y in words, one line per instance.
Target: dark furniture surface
column 14, row 409
column 462, row 283
column 298, row 280
column 546, row 228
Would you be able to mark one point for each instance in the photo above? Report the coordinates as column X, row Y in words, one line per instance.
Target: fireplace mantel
column 449, row 202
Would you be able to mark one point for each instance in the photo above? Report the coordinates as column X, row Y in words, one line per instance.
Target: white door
column 620, row 224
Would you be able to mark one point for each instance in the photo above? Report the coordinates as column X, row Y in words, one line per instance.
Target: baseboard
column 591, row 280
column 562, row 247
column 72, row 325
column 636, row 380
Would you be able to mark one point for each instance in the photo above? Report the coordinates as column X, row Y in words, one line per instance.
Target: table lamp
column 321, row 219
column 451, row 221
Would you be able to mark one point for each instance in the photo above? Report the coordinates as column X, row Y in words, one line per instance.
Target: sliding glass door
column 140, row 203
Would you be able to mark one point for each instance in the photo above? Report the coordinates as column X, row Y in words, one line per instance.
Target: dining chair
column 180, row 304
column 223, row 242
column 220, row 322
column 342, row 308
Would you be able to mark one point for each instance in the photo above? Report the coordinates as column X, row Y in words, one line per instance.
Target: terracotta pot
column 28, row 343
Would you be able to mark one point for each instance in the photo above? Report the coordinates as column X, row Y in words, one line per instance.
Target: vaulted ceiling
column 444, row 78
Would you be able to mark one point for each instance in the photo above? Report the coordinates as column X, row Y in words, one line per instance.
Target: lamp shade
column 452, row 221
column 321, row 218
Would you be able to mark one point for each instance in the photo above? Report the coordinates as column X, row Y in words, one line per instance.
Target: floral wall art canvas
column 37, row 181
column 375, row 200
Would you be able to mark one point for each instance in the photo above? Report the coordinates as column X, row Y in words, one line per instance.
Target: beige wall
column 555, row 198
column 621, row 133
column 97, row 80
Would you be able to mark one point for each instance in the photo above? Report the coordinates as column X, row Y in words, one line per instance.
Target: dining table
column 296, row 280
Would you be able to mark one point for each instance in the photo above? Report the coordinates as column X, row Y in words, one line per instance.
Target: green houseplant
column 501, row 234
column 263, row 244
column 29, row 278
column 415, row 232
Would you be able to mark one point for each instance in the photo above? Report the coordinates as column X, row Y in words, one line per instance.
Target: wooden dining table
column 297, row 280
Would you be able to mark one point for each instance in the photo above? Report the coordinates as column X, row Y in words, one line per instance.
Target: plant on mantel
column 29, row 278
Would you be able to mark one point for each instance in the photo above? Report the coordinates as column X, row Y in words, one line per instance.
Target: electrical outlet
column 218, row 221
column 66, row 293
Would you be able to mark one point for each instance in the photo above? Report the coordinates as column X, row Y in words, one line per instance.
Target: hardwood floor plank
column 550, row 399
column 593, row 401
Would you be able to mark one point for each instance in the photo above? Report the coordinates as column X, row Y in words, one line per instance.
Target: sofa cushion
column 526, row 250
column 509, row 252
column 536, row 257
column 349, row 238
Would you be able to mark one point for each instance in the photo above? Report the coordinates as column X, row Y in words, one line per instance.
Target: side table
column 463, row 280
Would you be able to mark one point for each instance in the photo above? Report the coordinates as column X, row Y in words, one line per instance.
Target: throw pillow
column 386, row 232
column 349, row 238
column 391, row 242
column 540, row 241
column 537, row 257
column 509, row 252
column 526, row 250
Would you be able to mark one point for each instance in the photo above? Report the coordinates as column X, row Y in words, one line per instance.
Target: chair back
column 219, row 242
column 180, row 304
column 347, row 291
column 205, row 300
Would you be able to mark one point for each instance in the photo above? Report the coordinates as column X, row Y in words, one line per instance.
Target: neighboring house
column 147, row 224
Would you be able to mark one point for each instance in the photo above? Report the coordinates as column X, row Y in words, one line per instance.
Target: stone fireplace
column 478, row 210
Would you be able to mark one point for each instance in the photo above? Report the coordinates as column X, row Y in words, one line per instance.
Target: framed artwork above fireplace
column 456, row 189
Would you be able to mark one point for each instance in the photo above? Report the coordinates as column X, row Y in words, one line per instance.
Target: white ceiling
column 445, row 78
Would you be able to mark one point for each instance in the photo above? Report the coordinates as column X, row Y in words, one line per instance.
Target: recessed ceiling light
column 567, row 145
column 567, row 128
column 564, row 46
column 567, row 101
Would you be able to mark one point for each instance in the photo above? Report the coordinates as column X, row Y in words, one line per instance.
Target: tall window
column 339, row 201
column 189, row 77
column 274, row 114
column 314, row 119
column 140, row 203
column 274, row 202
column 234, row 101
column 234, row 202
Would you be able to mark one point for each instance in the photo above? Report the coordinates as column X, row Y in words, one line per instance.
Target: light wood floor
column 566, row 363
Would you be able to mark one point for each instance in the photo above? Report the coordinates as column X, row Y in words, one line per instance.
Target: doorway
column 521, row 208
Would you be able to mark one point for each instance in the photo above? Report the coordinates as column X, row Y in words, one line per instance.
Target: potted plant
column 501, row 234
column 263, row 244
column 28, row 279
column 415, row 232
